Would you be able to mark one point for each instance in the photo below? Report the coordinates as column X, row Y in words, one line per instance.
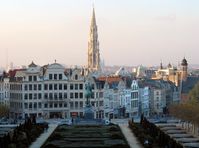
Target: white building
column 52, row 91
column 125, row 101
column 144, row 94
column 112, row 96
column 134, row 98
column 4, row 91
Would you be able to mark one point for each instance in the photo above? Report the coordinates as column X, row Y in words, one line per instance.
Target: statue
column 88, row 113
column 88, row 94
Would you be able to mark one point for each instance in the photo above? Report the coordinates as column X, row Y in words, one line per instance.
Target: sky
column 131, row 32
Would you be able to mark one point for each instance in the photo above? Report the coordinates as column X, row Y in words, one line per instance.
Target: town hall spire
column 93, row 46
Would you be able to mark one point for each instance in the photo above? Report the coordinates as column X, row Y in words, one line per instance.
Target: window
column 45, row 96
column 45, row 105
column 65, row 105
column 55, row 96
column 101, row 103
column 35, row 105
column 25, row 96
column 25, row 105
column 71, row 104
column 50, row 95
column 71, row 86
column 65, row 95
column 30, row 96
column 55, row 86
column 50, row 87
column 55, row 76
column 30, row 105
column 60, row 86
column 35, row 78
column 51, row 105
column 39, row 105
column 71, row 95
column 92, row 86
column 55, row 105
column 60, row 76
column 93, row 103
column 29, row 78
column 76, row 86
column 76, row 95
column 39, row 96
column 60, row 95
column 35, row 96
column 81, row 104
column 35, row 86
column 39, row 86
column 65, row 86
column 76, row 104
column 81, row 86
column 134, row 103
column 30, row 87
column 60, row 104
column 50, row 76
column 81, row 95
column 26, row 87
column 45, row 86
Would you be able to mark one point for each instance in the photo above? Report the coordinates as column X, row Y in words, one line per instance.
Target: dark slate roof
column 32, row 65
column 159, row 84
column 114, row 85
column 189, row 83
column 184, row 62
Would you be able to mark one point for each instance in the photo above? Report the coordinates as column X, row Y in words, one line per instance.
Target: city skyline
column 130, row 33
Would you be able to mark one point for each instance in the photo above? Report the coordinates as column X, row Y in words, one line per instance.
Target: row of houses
column 53, row 91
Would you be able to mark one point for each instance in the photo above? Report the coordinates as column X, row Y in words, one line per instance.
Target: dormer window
column 76, row 77
column 29, row 78
column 35, row 78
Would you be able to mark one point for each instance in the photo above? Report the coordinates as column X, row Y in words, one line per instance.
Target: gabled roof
column 12, row 73
column 110, row 79
column 32, row 64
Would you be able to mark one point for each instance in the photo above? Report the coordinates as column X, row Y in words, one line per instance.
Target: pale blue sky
column 131, row 32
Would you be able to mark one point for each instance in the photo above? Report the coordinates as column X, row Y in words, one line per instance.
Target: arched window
column 76, row 77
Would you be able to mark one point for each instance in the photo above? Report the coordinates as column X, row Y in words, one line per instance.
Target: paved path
column 44, row 136
column 130, row 137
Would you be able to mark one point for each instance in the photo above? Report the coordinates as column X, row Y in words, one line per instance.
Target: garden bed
column 86, row 136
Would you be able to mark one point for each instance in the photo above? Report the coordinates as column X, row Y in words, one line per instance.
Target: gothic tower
column 93, row 47
column 184, row 66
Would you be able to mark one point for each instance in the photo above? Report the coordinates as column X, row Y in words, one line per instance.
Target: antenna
column 93, row 3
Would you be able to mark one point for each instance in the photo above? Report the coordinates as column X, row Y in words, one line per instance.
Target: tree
column 194, row 93
column 189, row 110
column 4, row 111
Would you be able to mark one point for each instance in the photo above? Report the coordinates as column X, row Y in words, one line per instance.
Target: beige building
column 171, row 73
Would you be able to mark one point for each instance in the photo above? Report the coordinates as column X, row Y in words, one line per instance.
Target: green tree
column 4, row 111
column 194, row 93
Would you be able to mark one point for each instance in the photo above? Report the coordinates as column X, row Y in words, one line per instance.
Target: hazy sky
column 131, row 32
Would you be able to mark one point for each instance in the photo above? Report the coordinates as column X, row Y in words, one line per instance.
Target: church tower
column 93, row 47
column 184, row 66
